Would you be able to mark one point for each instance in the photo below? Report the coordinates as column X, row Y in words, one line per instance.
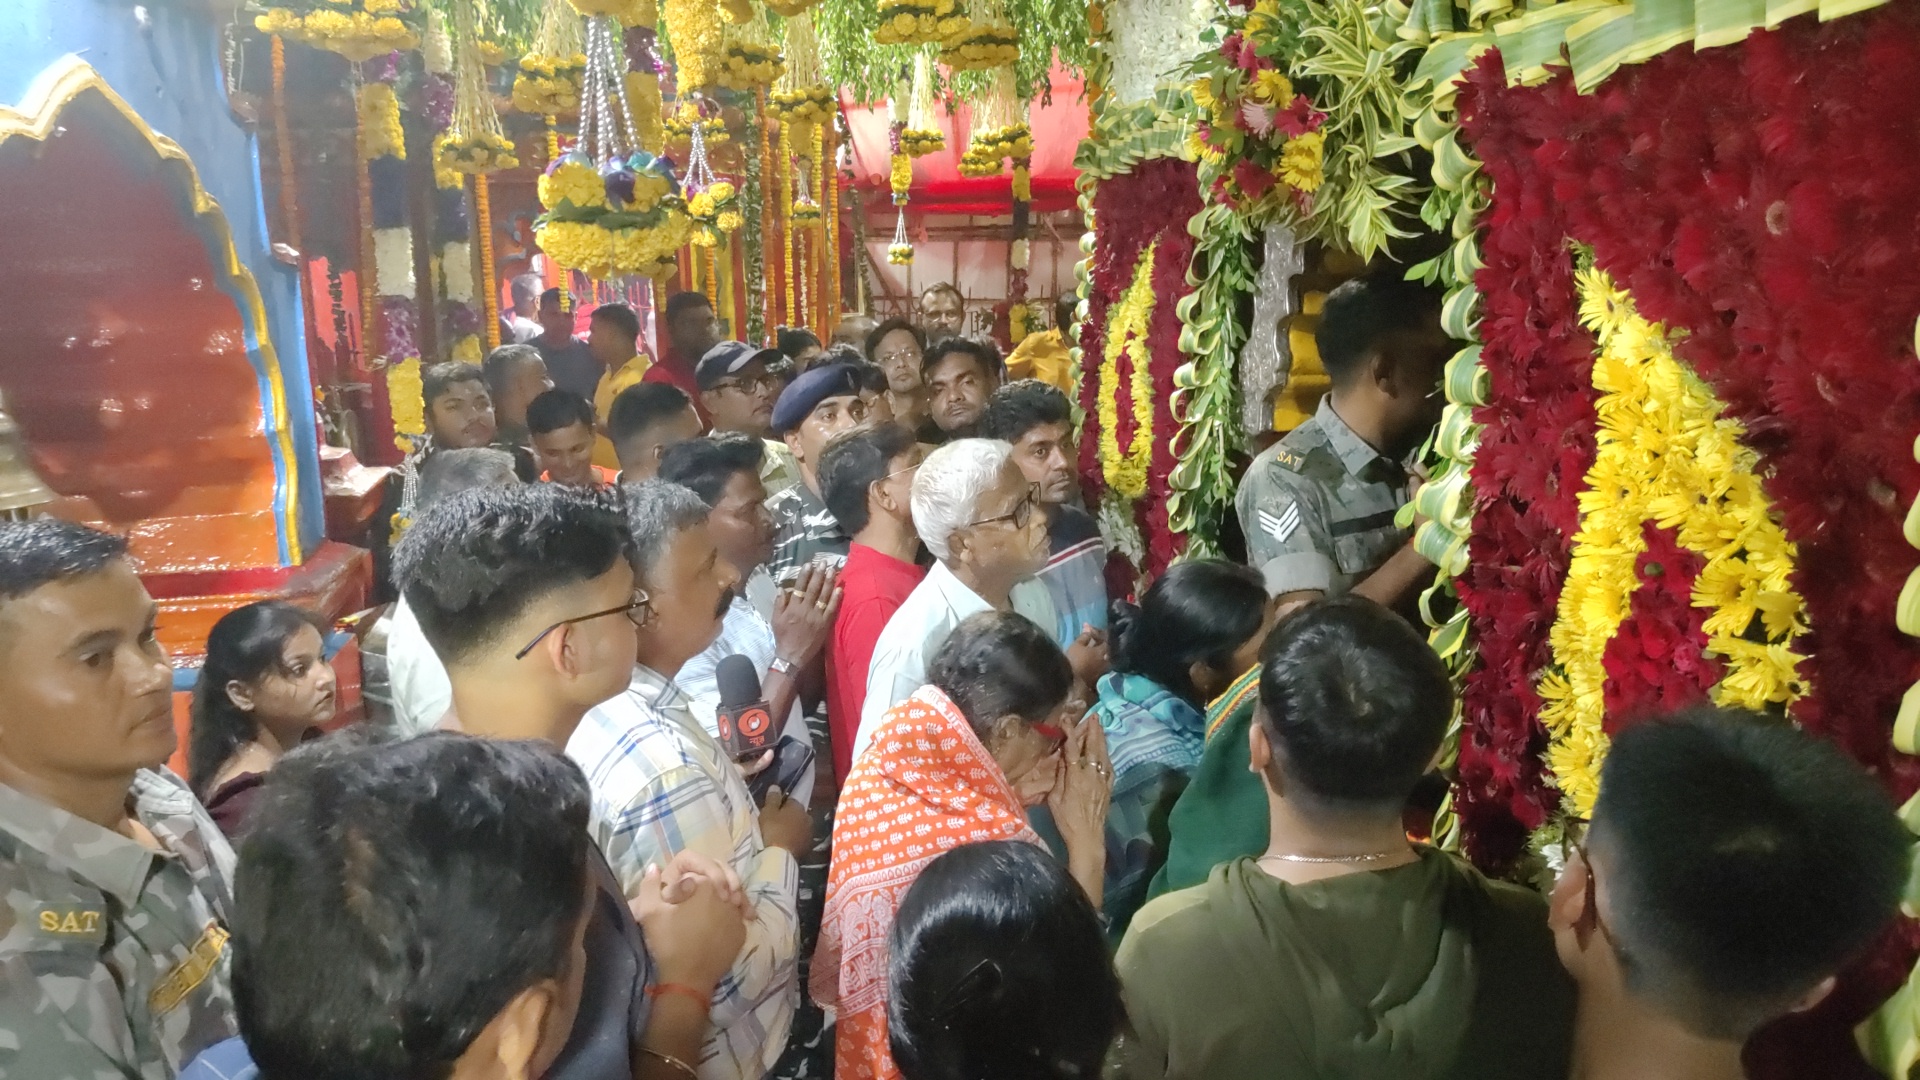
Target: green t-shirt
column 1222, row 815
column 1427, row 971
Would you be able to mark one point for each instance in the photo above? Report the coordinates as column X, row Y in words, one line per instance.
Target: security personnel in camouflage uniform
column 1318, row 507
column 113, row 940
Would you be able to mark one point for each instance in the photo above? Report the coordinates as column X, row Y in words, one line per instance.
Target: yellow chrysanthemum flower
column 1301, row 161
column 1272, row 87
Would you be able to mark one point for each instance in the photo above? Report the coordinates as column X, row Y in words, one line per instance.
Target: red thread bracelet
column 658, row 990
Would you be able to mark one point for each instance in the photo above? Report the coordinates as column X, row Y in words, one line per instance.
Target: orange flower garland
column 489, row 292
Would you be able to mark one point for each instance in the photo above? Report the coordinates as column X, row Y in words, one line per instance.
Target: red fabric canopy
column 938, row 186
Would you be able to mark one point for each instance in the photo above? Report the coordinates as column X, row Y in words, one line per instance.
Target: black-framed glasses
column 751, row 384
column 1021, row 513
column 632, row 609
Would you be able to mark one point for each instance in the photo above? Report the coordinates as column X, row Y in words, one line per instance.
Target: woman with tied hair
column 997, row 968
column 956, row 763
column 266, row 687
column 1196, row 630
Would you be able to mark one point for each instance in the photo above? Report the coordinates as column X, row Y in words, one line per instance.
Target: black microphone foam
column 739, row 681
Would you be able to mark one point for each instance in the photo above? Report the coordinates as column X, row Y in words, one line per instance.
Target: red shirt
column 873, row 587
column 674, row 371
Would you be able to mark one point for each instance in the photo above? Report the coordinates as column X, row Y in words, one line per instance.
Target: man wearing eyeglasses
column 982, row 520
column 529, row 595
column 737, row 389
column 664, row 786
column 1318, row 507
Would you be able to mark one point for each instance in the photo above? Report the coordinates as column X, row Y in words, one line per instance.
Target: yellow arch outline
column 34, row 118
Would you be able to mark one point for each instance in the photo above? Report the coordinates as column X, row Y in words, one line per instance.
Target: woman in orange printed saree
column 954, row 764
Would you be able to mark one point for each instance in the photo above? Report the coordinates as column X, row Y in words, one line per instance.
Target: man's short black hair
column 471, row 565
column 706, row 466
column 1019, row 407
column 390, row 901
column 1065, row 307
column 982, row 353
column 1745, row 862
column 48, row 549
column 499, row 365
column 619, row 316
column 1355, row 703
column 639, row 407
column 879, row 334
column 1370, row 315
column 868, row 377
column 556, row 409
column 551, row 296
column 794, row 340
column 852, row 464
column 680, row 303
column 439, row 378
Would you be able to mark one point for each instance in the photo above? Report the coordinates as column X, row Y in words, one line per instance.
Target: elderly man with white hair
column 983, row 521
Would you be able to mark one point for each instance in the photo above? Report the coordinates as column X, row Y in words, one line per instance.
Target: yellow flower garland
column 406, row 399
column 379, row 128
column 1126, row 470
column 1667, row 454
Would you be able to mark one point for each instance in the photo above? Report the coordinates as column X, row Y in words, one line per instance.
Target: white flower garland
column 1148, row 40
column 393, row 262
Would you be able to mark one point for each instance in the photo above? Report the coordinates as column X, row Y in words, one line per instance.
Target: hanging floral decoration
column 788, row 9
column 1125, row 466
column 1002, row 132
column 626, row 12
column 920, row 133
column 643, row 96
column 548, row 82
column 752, row 58
column 1148, row 207
column 612, row 208
column 699, row 43
column 988, row 41
column 356, row 29
column 379, row 131
column 899, row 173
column 393, row 320
column 688, row 115
column 460, row 318
column 474, row 144
column 918, row 22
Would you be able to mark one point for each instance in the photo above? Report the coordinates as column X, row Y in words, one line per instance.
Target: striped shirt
column 661, row 785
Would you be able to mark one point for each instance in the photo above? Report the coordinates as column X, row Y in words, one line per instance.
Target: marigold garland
column 358, row 32
column 379, row 132
column 406, row 399
column 918, row 22
column 698, row 42
column 1667, row 454
column 1125, row 469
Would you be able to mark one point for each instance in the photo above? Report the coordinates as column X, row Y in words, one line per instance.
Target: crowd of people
column 1004, row 822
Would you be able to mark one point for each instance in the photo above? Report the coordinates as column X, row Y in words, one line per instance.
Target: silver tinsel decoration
column 1267, row 359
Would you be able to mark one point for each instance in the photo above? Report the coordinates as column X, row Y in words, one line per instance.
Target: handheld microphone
column 746, row 725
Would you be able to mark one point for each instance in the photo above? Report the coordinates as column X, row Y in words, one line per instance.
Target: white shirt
column 918, row 628
column 744, row 632
column 662, row 785
column 421, row 692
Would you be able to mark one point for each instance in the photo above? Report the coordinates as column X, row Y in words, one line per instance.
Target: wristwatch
column 782, row 665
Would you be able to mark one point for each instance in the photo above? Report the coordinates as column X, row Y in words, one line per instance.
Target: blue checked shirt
column 661, row 785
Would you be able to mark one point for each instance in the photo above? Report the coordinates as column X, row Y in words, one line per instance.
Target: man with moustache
column 663, row 785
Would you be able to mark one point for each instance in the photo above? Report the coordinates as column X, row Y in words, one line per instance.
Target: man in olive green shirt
column 113, row 940
column 1318, row 507
column 1344, row 950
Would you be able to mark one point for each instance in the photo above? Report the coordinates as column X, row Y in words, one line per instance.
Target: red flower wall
column 1153, row 202
column 1763, row 198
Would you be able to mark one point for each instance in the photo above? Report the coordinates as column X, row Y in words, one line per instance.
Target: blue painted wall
column 169, row 71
